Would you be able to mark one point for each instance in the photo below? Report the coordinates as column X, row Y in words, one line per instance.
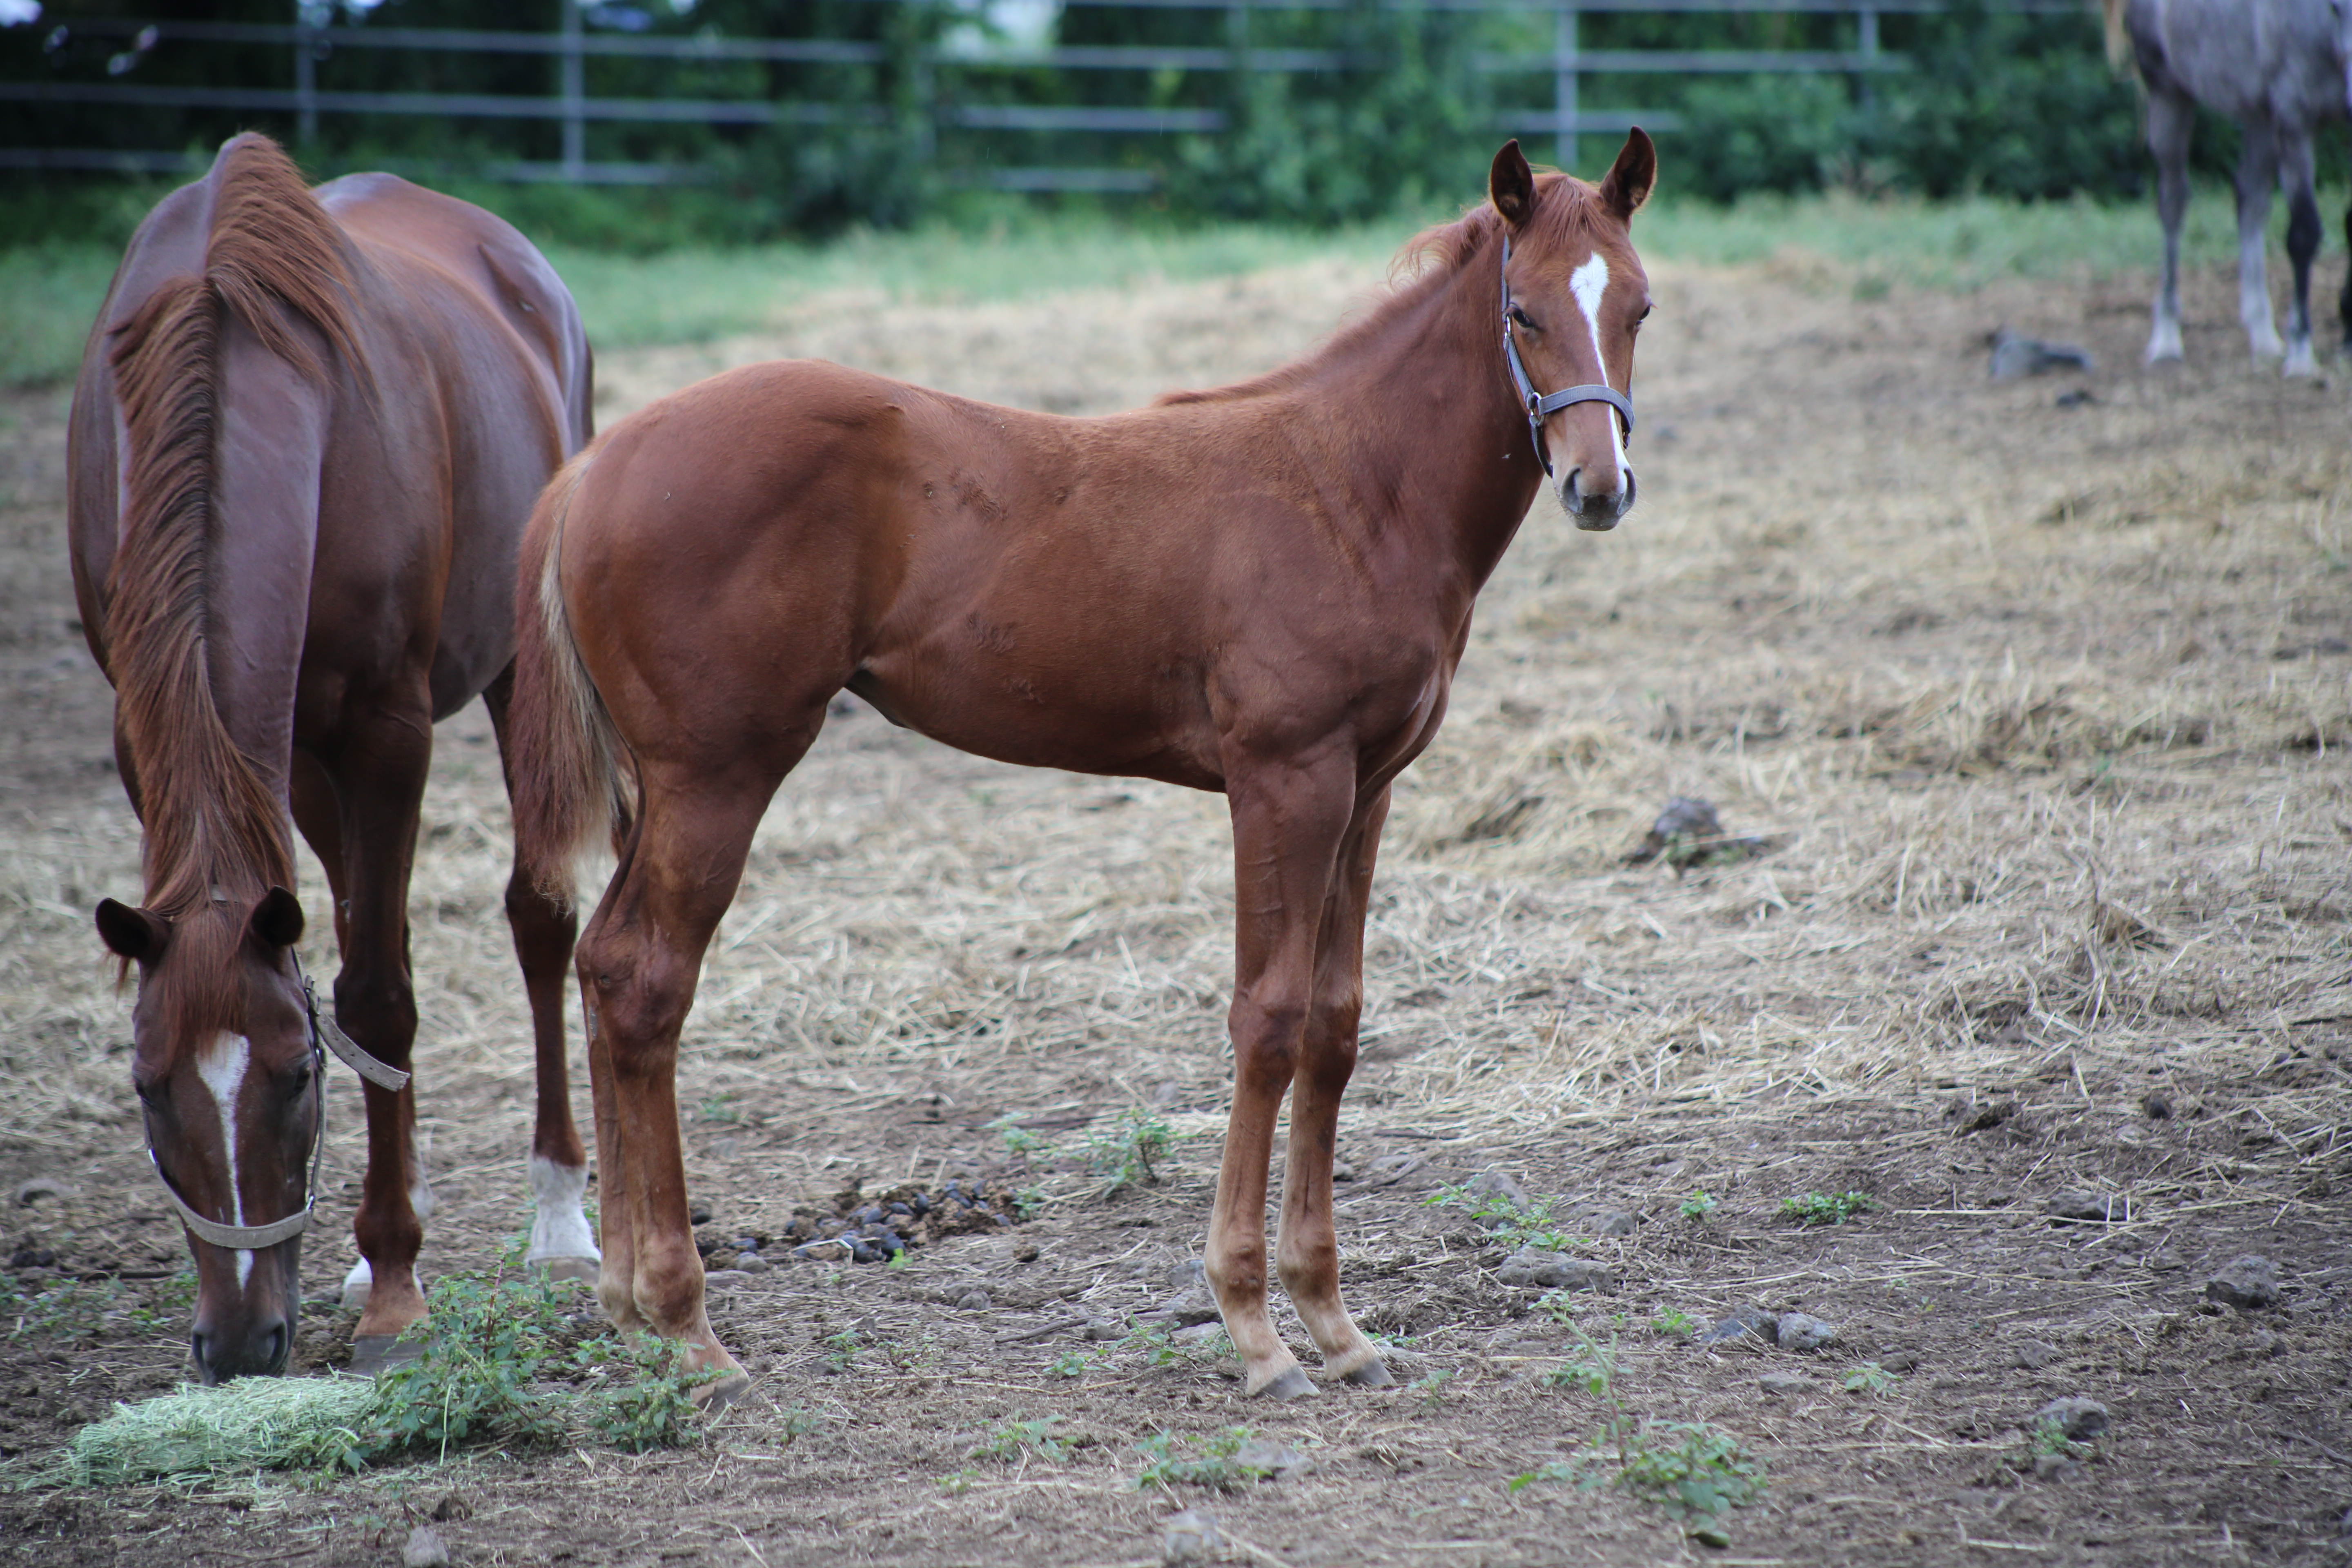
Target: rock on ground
column 424, row 1548
column 1800, row 1333
column 2249, row 1282
column 2033, row 1354
column 2080, row 1419
column 2085, row 1209
column 1551, row 1271
column 1192, row 1537
column 1784, row 1383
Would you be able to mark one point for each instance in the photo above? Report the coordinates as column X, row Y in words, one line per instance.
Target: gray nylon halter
column 1542, row 404
column 324, row 1033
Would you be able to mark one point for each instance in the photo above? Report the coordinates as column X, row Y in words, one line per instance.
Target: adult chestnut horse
column 1262, row 590
column 306, row 436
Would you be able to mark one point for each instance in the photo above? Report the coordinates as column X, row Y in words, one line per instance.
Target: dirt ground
column 2037, row 694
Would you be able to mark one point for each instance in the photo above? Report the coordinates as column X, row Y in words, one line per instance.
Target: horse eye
column 1521, row 318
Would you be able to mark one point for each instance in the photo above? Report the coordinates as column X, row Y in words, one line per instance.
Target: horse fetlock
column 2300, row 361
column 560, row 1239
column 2164, row 342
column 1283, row 1383
column 393, row 1301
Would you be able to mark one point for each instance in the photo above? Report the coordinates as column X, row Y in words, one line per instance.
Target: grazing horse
column 307, row 434
column 2277, row 67
column 1262, row 590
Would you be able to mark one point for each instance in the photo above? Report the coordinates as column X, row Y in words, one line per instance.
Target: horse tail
column 571, row 784
column 272, row 256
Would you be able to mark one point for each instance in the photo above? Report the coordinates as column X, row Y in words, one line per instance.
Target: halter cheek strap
column 1542, row 406
column 325, row 1036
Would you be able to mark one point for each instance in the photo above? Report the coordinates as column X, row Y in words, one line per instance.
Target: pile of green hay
column 252, row 1423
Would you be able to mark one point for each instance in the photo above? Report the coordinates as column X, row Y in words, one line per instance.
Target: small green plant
column 1071, row 1363
column 1869, row 1378
column 654, row 1405
column 1595, row 1370
column 1125, row 1156
column 1028, row 1201
column 1020, row 1437
column 1671, row 1323
column 65, row 1309
column 1699, row 1205
column 1028, row 1145
column 1431, row 1388
column 1516, row 1224
column 719, row 1108
column 1690, row 1468
column 1824, row 1208
column 841, row 1349
column 2048, row 1435
column 1167, row 1462
column 1559, row 1306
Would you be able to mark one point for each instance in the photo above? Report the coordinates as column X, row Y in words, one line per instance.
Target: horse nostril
column 1573, row 490
column 200, row 1346
column 1625, row 496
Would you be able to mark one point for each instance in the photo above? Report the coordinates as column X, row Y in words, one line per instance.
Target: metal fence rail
column 571, row 46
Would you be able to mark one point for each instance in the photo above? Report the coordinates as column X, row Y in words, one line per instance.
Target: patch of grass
column 1431, row 1388
column 503, row 1363
column 57, row 1310
column 1671, row 1323
column 1699, row 1205
column 1169, row 1461
column 53, row 291
column 1825, row 1208
column 1020, row 1437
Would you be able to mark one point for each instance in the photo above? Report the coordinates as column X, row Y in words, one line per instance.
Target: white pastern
column 357, row 1284
column 222, row 1066
column 559, row 1222
column 1590, row 284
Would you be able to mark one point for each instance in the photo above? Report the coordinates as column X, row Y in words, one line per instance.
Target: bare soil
column 2040, row 707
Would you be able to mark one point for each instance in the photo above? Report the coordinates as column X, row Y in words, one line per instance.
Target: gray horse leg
column 2344, row 301
column 2302, row 245
column 2257, row 173
column 2169, row 120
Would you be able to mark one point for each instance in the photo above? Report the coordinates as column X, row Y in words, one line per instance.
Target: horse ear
column 132, row 933
column 1627, row 185
column 277, row 919
column 1511, row 185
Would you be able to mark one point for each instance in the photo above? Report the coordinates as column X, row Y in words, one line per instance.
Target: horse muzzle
column 1597, row 512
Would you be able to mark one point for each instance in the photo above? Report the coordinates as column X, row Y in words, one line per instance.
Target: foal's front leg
column 1288, row 820
column 1307, row 1250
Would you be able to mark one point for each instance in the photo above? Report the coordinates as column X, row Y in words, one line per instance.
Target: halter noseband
column 1542, row 404
column 325, row 1036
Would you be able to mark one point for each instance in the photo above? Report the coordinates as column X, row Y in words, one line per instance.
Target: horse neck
column 1430, row 422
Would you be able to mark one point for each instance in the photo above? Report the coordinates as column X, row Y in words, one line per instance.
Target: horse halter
column 325, row 1036
column 1542, row 404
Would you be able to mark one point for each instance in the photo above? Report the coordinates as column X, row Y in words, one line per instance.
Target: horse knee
column 640, row 996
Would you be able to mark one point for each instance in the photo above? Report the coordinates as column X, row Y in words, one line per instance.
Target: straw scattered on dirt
column 2039, row 710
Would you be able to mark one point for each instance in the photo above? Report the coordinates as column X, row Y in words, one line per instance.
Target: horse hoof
column 1293, row 1384
column 714, row 1397
column 584, row 1269
column 1373, row 1374
column 373, row 1353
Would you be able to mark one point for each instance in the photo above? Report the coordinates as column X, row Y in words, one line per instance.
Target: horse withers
column 1263, row 591
column 307, row 432
column 2279, row 67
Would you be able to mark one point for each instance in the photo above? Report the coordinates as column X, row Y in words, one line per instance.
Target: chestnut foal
column 307, row 434
column 1262, row 590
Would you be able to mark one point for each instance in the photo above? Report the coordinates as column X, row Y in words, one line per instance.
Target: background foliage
column 2003, row 103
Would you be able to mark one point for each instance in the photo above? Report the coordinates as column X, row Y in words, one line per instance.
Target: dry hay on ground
column 2041, row 709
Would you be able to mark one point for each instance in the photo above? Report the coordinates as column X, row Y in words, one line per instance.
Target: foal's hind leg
column 1307, row 1250
column 2258, row 171
column 1288, row 820
column 638, row 963
column 561, row 1241
column 2169, row 120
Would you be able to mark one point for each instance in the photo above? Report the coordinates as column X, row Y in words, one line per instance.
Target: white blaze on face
column 1589, row 283
column 222, row 1067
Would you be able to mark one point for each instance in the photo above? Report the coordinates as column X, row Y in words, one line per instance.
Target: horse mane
column 213, row 824
column 1567, row 208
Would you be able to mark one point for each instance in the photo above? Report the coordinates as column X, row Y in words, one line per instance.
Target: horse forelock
column 1568, row 212
column 199, row 990
column 212, row 822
